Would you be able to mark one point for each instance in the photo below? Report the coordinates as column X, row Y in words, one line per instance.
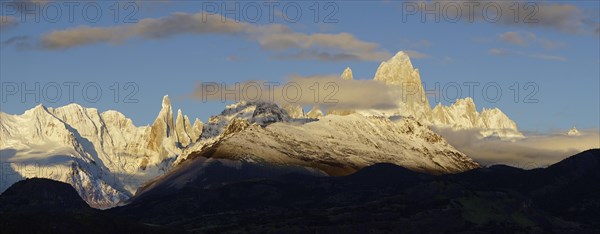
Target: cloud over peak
column 332, row 92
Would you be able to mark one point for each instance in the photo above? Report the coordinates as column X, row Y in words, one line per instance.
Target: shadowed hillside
column 563, row 198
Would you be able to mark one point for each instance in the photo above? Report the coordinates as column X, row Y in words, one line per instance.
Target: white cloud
column 20, row 42
column 327, row 91
column 513, row 38
column 416, row 54
column 7, row 22
column 530, row 152
column 561, row 17
column 231, row 58
column 547, row 57
column 528, row 38
column 505, row 52
column 273, row 37
column 173, row 25
column 496, row 51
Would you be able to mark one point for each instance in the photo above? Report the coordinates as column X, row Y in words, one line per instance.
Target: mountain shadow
column 46, row 206
column 382, row 198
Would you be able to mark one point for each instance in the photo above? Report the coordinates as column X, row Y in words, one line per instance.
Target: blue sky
column 559, row 53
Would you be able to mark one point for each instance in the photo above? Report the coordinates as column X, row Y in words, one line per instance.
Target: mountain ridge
column 103, row 155
column 107, row 158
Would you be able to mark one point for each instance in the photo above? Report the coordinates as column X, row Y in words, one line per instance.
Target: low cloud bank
column 324, row 91
column 533, row 151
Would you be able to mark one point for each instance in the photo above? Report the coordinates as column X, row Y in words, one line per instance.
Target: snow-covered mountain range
column 103, row 155
column 399, row 71
column 337, row 145
column 107, row 158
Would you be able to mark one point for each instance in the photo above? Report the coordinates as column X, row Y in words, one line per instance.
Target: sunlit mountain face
column 299, row 117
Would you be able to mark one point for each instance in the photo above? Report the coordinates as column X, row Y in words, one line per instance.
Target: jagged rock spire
column 181, row 130
column 399, row 71
column 163, row 126
column 347, row 74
